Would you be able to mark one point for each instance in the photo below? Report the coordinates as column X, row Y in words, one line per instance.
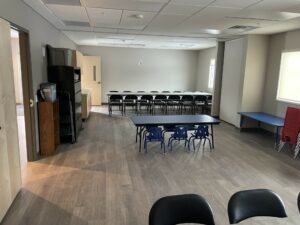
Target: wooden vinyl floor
column 104, row 180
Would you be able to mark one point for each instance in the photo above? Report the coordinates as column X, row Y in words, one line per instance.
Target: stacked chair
column 291, row 130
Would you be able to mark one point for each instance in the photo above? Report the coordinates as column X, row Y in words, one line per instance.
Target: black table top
column 173, row 119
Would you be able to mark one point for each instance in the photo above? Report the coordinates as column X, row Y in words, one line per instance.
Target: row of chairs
column 151, row 104
column 192, row 208
column 179, row 133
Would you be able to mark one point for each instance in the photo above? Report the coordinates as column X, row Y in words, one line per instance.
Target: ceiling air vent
column 76, row 23
column 243, row 27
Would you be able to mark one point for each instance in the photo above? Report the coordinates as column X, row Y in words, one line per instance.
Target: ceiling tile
column 265, row 15
column 63, row 2
column 192, row 2
column 69, row 13
column 178, row 9
column 234, row 3
column 81, row 38
column 165, row 22
column 294, row 9
column 274, row 5
column 206, row 18
column 106, row 17
column 134, row 5
column 131, row 18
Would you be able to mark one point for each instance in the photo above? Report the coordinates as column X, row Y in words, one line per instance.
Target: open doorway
column 15, row 45
column 23, row 95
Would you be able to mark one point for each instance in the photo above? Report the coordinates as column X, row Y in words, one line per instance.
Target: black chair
column 251, row 203
column 207, row 107
column 173, row 102
column 299, row 202
column 145, row 101
column 177, row 209
column 200, row 102
column 115, row 100
column 114, row 91
column 187, row 103
column 131, row 101
column 160, row 101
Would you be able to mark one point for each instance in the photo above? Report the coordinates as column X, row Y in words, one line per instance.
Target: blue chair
column 180, row 133
column 201, row 133
column 154, row 134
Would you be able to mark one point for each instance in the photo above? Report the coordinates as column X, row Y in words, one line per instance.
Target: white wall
column 159, row 69
column 204, row 57
column 41, row 32
column 278, row 43
column 232, row 81
column 255, row 70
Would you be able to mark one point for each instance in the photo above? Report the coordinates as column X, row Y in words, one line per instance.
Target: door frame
column 28, row 96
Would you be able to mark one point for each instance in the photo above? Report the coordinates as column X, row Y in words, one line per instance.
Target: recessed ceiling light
column 139, row 16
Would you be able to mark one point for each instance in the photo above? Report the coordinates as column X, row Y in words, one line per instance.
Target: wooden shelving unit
column 48, row 127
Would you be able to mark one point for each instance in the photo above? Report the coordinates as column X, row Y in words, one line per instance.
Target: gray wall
column 204, row 57
column 278, row 43
column 158, row 69
column 41, row 32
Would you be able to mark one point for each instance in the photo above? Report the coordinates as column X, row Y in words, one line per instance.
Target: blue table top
column 265, row 118
column 173, row 119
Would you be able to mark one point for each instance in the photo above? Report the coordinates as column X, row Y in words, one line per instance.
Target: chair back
column 291, row 127
column 180, row 133
column 201, row 98
column 116, row 98
column 177, row 209
column 160, row 97
column 165, row 92
column 258, row 202
column 174, row 97
column 126, row 91
column 298, row 201
column 154, row 133
column 147, row 97
column 202, row 131
column 113, row 91
column 187, row 98
column 130, row 97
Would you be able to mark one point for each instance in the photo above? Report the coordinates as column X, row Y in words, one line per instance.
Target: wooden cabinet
column 86, row 104
column 48, row 127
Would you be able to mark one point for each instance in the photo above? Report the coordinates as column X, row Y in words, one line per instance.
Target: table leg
column 136, row 134
column 277, row 137
column 140, row 136
column 212, row 136
column 241, row 122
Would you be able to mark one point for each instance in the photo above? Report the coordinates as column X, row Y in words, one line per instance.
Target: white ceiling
column 166, row 24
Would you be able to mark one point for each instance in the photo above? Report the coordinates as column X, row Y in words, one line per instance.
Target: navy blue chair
column 201, row 133
column 251, row 203
column 154, row 134
column 178, row 209
column 180, row 134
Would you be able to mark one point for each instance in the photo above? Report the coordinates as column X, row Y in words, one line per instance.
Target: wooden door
column 91, row 77
column 10, row 171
